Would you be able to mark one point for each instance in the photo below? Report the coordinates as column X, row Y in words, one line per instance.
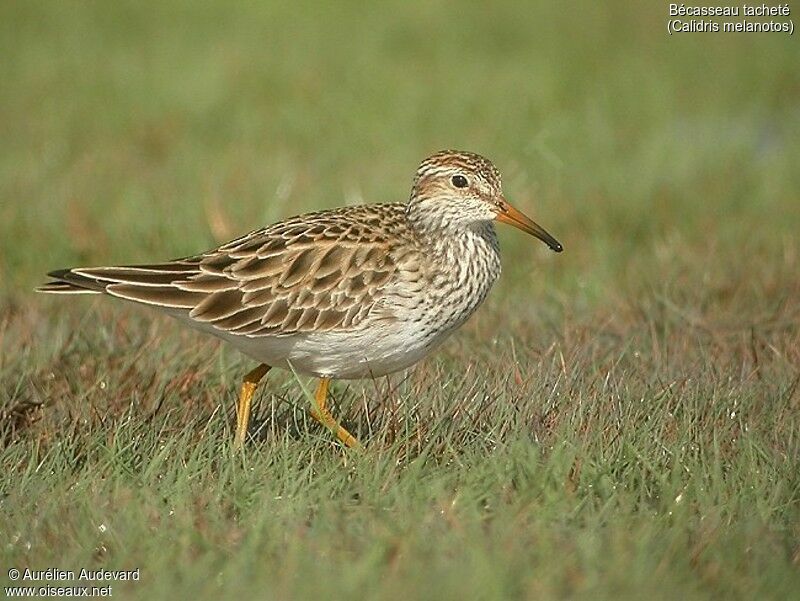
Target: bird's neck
column 436, row 223
column 446, row 236
column 464, row 263
column 431, row 220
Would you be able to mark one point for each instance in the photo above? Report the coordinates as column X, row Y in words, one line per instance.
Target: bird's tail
column 67, row 281
column 167, row 285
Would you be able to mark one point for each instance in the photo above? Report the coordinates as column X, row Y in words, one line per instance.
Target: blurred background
column 134, row 133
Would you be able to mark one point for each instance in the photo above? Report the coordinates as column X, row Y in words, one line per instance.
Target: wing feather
column 323, row 271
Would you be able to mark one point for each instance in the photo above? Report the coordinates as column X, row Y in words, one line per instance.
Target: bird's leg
column 249, row 385
column 321, row 413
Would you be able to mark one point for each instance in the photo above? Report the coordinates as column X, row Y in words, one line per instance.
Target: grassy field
column 618, row 421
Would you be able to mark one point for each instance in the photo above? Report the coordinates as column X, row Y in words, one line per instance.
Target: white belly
column 366, row 352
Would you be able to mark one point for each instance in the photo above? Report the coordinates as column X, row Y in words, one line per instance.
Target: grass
column 619, row 421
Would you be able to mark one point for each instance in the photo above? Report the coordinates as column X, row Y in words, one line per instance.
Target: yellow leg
column 249, row 385
column 323, row 416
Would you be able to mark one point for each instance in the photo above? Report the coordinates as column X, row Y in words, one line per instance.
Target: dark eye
column 459, row 181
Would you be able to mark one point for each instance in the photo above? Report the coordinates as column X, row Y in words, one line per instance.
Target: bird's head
column 462, row 188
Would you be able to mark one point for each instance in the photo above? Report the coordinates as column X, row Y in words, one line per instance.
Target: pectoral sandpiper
column 353, row 292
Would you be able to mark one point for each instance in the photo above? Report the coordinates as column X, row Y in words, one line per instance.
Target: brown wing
column 320, row 272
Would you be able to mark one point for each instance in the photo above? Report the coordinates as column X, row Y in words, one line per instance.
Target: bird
column 354, row 292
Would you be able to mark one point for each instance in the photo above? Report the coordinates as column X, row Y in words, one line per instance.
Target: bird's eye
column 459, row 181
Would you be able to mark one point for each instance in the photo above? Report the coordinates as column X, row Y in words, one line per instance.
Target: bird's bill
column 510, row 215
